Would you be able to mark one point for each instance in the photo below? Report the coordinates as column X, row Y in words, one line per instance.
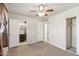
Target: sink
column 2, row 29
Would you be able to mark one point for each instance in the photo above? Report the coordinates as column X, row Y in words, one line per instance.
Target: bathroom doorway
column 22, row 33
column 71, row 34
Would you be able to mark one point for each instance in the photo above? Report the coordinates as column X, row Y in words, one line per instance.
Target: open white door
column 14, row 33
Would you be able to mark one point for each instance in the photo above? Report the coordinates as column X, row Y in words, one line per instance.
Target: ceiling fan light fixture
column 41, row 13
column 41, row 8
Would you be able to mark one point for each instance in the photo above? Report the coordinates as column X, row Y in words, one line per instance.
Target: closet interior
column 71, row 34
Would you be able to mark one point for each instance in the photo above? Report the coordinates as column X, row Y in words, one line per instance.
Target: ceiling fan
column 42, row 11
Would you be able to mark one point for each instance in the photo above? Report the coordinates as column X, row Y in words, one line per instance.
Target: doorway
column 71, row 34
column 22, row 33
column 45, row 32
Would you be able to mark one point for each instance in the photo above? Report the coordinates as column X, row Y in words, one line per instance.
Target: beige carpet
column 38, row 49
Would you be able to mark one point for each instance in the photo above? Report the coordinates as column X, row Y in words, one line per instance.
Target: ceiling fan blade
column 33, row 11
column 49, row 10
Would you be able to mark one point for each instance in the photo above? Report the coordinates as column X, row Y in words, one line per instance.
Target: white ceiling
column 24, row 8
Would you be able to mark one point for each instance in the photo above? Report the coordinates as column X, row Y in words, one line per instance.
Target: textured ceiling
column 24, row 8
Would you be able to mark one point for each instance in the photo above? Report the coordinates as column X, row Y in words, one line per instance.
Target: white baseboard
column 56, row 45
column 33, row 42
column 62, row 48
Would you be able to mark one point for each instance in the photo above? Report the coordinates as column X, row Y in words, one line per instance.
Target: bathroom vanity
column 3, row 29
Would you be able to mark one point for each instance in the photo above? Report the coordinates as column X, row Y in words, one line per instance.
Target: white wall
column 35, row 31
column 14, row 33
column 56, row 31
column 34, row 27
column 57, row 28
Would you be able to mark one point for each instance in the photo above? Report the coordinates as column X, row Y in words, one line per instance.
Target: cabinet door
column 1, row 20
column 14, row 33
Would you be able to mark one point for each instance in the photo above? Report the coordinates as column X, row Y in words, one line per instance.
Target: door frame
column 70, row 31
column 25, row 34
column 18, row 33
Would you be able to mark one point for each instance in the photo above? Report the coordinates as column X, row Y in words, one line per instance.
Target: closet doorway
column 71, row 34
column 22, row 33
